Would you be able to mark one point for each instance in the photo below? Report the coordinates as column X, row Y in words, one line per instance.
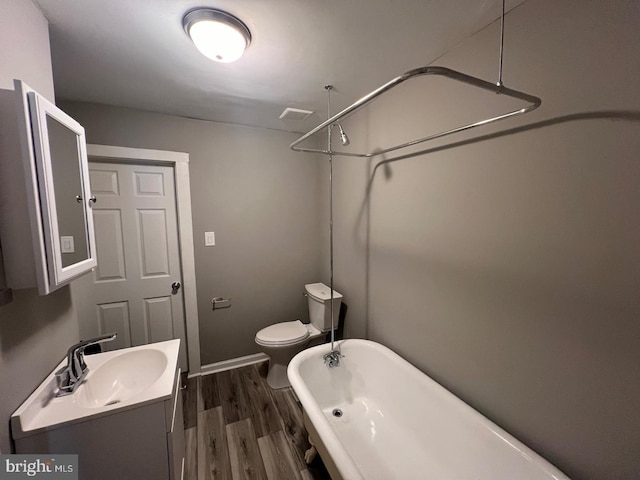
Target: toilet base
column 279, row 358
column 277, row 376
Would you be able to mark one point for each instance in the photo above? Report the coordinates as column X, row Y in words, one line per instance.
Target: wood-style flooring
column 237, row 427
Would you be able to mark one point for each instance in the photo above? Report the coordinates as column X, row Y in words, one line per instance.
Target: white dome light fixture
column 218, row 35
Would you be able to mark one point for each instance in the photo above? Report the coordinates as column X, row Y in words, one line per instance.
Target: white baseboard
column 233, row 363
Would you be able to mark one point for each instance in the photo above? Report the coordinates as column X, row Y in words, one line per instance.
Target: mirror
column 67, row 181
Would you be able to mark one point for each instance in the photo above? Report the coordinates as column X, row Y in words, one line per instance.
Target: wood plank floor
column 237, row 427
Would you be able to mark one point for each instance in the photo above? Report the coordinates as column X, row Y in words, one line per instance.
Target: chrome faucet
column 71, row 375
column 332, row 359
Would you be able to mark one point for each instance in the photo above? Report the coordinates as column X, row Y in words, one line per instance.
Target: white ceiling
column 135, row 53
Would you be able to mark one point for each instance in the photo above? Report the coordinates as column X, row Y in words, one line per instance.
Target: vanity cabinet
column 47, row 231
column 139, row 441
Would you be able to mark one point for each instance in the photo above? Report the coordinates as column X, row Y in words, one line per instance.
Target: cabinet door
column 64, row 192
column 175, row 437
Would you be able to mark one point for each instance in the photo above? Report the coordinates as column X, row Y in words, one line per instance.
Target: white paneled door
column 136, row 288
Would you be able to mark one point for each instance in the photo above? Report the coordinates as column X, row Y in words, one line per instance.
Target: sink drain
column 337, row 413
column 112, row 402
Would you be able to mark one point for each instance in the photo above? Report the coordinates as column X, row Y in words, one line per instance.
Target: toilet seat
column 283, row 334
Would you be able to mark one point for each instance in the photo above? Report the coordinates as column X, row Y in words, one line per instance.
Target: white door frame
column 180, row 162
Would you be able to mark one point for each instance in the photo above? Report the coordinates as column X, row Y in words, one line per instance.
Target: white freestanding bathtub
column 376, row 416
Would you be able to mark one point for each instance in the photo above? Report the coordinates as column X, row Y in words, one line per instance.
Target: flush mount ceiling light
column 218, row 35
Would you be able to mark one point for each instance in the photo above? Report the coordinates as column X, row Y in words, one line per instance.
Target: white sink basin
column 121, row 378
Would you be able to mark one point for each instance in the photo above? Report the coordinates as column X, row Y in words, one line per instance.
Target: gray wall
column 508, row 269
column 259, row 198
column 35, row 331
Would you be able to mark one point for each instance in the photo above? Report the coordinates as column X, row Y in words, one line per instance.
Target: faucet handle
column 92, row 341
column 63, row 378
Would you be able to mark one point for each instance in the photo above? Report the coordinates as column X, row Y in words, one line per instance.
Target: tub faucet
column 71, row 375
column 332, row 359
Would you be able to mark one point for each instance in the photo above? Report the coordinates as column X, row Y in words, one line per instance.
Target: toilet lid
column 283, row 333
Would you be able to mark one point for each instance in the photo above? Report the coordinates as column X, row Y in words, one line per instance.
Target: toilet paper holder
column 218, row 303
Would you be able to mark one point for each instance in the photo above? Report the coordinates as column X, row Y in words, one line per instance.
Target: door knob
column 175, row 286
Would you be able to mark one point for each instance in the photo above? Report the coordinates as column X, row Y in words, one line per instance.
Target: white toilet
column 282, row 341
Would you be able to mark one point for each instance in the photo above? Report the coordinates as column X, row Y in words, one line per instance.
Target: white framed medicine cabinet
column 58, row 199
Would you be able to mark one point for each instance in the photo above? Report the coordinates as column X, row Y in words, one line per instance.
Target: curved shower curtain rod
column 499, row 88
column 533, row 103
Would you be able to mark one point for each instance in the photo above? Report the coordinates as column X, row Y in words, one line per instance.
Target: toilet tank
column 319, row 300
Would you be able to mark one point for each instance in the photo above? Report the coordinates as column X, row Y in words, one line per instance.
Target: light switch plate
column 67, row 245
column 209, row 239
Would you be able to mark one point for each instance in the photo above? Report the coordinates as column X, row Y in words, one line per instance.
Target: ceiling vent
column 295, row 114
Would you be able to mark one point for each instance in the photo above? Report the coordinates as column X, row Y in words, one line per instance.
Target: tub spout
column 332, row 359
